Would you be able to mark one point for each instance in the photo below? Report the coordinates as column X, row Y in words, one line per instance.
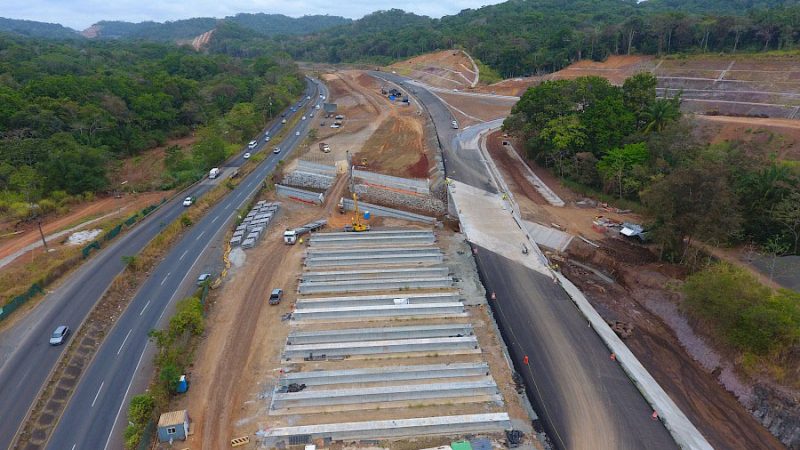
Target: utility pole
column 41, row 233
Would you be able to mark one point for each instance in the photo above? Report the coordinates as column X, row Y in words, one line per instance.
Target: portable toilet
column 366, row 215
column 183, row 386
column 173, row 426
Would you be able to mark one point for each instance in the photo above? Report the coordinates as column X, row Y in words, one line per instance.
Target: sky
column 80, row 14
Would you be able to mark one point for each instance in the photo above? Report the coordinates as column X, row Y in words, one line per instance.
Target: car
column 322, row 124
column 336, row 125
column 454, row 124
column 283, row 114
column 293, row 109
column 297, row 133
column 308, row 97
column 188, row 201
column 252, row 144
column 283, row 121
column 303, row 118
column 266, row 139
column 276, row 296
column 320, row 96
column 316, row 107
column 203, row 278
column 247, row 155
column 276, row 150
column 59, row 335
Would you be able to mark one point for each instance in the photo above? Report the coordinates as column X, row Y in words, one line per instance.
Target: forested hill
column 522, row 37
column 37, row 29
column 261, row 24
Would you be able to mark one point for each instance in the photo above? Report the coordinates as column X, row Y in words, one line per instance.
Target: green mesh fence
column 113, row 233
column 88, row 249
column 131, row 220
column 20, row 300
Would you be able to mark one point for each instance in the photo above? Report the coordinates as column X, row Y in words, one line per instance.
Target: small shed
column 173, row 426
column 329, row 108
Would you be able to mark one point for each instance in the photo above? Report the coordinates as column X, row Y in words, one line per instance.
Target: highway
column 584, row 399
column 101, row 398
column 28, row 359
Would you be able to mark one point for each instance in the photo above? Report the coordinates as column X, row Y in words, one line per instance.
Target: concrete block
column 236, row 241
column 466, row 344
column 248, row 243
column 370, row 312
column 379, row 334
column 388, row 373
column 427, row 392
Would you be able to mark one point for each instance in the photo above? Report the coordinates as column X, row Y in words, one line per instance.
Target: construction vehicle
column 324, row 148
column 340, row 205
column 290, row 236
column 357, row 225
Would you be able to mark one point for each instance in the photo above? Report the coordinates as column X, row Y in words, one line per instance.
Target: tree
column 638, row 95
column 662, row 112
column 563, row 137
column 618, row 165
column 787, row 213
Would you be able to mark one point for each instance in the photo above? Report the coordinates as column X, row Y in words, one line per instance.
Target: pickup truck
column 276, row 296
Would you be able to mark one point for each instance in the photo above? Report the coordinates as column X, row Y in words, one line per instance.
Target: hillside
column 37, row 29
column 261, row 24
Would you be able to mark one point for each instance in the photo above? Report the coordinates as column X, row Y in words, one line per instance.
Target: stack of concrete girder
column 249, row 232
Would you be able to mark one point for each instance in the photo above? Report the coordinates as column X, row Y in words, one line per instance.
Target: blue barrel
column 366, row 215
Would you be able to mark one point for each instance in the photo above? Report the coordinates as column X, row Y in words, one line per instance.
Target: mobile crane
column 357, row 224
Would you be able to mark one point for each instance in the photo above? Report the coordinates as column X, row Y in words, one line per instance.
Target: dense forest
column 68, row 108
column 624, row 141
column 524, row 37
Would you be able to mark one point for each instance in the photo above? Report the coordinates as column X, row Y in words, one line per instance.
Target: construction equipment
column 357, row 225
column 290, row 236
column 340, row 205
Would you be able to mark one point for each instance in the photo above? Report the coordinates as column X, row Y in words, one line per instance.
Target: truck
column 290, row 236
column 213, row 173
column 324, row 148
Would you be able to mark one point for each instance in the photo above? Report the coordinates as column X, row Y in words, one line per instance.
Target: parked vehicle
column 324, row 148
column 213, row 173
column 203, row 278
column 276, row 296
column 59, row 335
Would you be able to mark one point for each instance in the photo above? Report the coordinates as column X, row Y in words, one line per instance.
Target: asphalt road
column 101, row 397
column 584, row 398
column 28, row 359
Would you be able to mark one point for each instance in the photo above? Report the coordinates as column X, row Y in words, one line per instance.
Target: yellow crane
column 357, row 224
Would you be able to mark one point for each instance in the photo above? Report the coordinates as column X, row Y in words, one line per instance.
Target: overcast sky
column 80, row 14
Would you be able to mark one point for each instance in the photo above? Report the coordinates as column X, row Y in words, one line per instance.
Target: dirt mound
column 775, row 136
column 450, row 69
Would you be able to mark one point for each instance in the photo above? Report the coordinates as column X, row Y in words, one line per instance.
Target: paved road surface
column 584, row 398
column 25, row 356
column 101, row 397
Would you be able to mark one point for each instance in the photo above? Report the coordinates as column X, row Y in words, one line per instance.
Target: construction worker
column 525, row 360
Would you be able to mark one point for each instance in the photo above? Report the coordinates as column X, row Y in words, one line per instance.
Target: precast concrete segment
column 467, row 344
column 374, row 285
column 373, row 260
column 366, row 240
column 374, row 233
column 381, row 311
column 345, row 253
column 384, row 211
column 328, row 397
column 382, row 334
column 420, row 272
column 374, row 300
column 386, row 429
column 391, row 373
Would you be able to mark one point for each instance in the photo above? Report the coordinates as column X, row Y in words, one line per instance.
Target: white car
column 247, row 155
column 308, row 97
column 276, row 150
column 252, row 144
column 59, row 335
column 266, row 139
column 283, row 121
column 297, row 133
column 336, row 125
column 266, row 133
column 303, row 118
column 188, row 201
column 203, row 278
column 316, row 107
column 454, row 125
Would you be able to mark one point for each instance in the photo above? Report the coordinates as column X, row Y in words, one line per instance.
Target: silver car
column 59, row 335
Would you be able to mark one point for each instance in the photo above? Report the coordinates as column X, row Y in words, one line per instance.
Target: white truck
column 290, row 236
column 213, row 173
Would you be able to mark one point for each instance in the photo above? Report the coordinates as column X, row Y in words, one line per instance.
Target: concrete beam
column 365, row 240
column 377, row 251
column 374, row 285
column 372, row 234
column 468, row 344
column 387, row 429
column 375, row 300
column 418, row 272
column 380, row 394
column 390, row 373
column 379, row 260
column 382, row 334
column 383, row 311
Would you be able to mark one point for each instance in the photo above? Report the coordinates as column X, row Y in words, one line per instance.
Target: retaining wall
column 300, row 194
column 383, row 211
column 417, row 202
column 408, row 184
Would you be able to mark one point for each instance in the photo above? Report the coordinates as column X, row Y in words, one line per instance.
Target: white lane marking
column 200, row 235
column 165, row 278
column 98, row 393
column 122, row 405
column 74, row 445
column 145, row 307
column 184, row 254
column 215, row 218
column 124, row 341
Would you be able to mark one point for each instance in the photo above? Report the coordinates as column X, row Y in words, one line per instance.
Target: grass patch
column 487, row 74
column 602, row 196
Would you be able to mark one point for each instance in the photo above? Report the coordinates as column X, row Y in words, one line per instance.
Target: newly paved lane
column 101, row 397
column 584, row 398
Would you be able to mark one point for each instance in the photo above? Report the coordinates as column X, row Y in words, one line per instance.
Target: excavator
column 357, row 225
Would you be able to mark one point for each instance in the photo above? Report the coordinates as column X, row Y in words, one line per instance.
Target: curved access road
column 26, row 358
